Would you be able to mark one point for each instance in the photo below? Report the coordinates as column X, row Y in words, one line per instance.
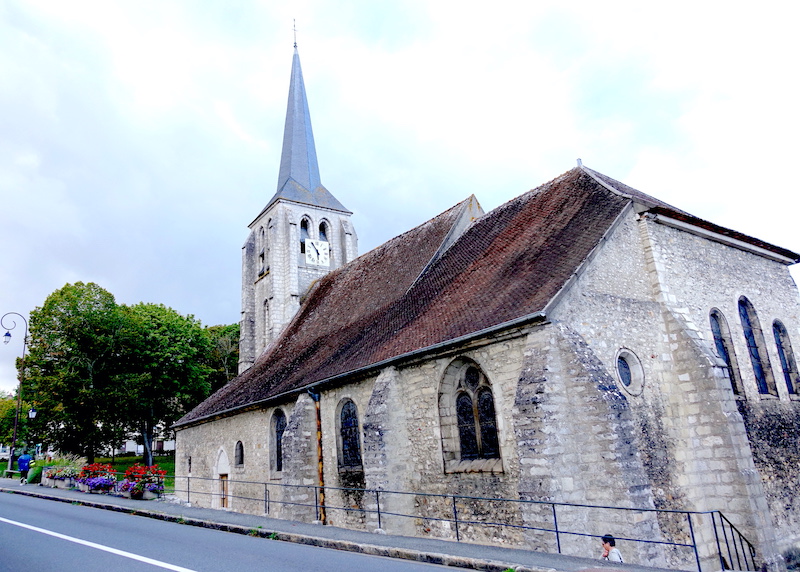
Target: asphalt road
column 41, row 535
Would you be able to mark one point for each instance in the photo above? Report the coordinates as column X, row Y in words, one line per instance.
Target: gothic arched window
column 349, row 438
column 303, row 235
column 468, row 419
column 477, row 428
column 724, row 345
column 323, row 232
column 755, row 347
column 786, row 355
column 278, row 427
column 239, row 458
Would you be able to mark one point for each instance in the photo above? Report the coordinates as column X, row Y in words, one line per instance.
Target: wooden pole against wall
column 320, row 466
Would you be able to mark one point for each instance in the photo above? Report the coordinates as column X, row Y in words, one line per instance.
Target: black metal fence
column 728, row 545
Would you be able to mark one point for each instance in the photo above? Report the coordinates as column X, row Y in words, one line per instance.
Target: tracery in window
column 239, row 458
column 724, row 346
column 468, row 419
column 349, row 438
column 278, row 428
column 786, row 355
column 755, row 347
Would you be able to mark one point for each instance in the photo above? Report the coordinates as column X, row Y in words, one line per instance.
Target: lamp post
column 6, row 339
column 31, row 416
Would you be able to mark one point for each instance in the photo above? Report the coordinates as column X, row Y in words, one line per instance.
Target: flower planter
column 144, row 495
column 64, row 483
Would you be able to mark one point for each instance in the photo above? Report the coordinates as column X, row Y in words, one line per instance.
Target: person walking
column 24, row 465
column 610, row 550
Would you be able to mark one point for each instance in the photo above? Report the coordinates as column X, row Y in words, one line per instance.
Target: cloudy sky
column 138, row 139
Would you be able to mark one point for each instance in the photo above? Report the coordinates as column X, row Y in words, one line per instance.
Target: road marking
column 99, row 547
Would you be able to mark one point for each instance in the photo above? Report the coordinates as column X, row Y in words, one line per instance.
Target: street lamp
column 6, row 339
column 32, row 415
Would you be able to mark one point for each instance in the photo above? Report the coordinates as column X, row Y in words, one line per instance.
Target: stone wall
column 569, row 431
column 273, row 287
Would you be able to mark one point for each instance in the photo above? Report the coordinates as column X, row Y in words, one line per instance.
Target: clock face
column 312, row 253
column 324, row 258
column 317, row 252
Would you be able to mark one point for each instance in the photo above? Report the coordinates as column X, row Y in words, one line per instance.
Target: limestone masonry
column 584, row 343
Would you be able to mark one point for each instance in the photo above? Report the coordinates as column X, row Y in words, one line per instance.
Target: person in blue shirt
column 24, row 465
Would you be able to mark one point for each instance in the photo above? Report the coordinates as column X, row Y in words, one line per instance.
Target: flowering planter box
column 145, row 495
column 64, row 483
column 48, row 482
column 140, row 482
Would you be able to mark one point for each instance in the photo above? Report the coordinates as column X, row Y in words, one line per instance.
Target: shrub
column 35, row 474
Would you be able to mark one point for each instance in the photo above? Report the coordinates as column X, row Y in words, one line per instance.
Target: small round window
column 629, row 372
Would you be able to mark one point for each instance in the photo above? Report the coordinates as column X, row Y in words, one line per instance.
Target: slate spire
column 298, row 179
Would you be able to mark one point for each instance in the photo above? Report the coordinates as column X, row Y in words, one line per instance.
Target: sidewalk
column 448, row 553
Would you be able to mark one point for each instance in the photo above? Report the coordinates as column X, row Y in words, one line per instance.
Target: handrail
column 733, row 549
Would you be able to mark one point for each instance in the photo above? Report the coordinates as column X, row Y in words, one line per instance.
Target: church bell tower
column 303, row 233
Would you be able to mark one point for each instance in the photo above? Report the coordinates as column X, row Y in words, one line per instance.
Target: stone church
column 584, row 344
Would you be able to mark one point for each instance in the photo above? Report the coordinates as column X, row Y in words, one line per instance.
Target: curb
column 344, row 545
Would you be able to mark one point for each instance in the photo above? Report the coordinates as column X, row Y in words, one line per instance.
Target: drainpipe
column 320, row 472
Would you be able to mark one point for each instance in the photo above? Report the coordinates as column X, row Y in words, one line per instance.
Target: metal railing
column 457, row 514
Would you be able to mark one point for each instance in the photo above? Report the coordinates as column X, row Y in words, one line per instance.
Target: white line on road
column 99, row 546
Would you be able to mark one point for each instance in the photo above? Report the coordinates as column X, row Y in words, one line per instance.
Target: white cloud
column 139, row 139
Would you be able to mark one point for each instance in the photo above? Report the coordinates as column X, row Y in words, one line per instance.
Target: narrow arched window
column 724, row 346
column 278, row 427
column 262, row 241
column 786, row 355
column 487, row 421
column 466, row 427
column 323, row 232
column 755, row 347
column 350, row 439
column 303, row 235
column 267, row 325
column 239, row 458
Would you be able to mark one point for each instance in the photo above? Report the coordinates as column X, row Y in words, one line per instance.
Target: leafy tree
column 165, row 373
column 97, row 370
column 8, row 408
column 72, row 367
column 223, row 358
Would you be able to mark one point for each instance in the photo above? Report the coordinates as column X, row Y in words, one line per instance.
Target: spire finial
column 294, row 27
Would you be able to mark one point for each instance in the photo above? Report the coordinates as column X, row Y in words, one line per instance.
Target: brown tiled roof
column 506, row 266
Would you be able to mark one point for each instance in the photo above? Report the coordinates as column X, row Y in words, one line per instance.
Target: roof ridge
column 459, row 226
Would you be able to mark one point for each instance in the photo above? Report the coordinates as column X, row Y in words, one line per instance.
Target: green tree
column 72, row 367
column 8, row 408
column 165, row 371
column 223, row 359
